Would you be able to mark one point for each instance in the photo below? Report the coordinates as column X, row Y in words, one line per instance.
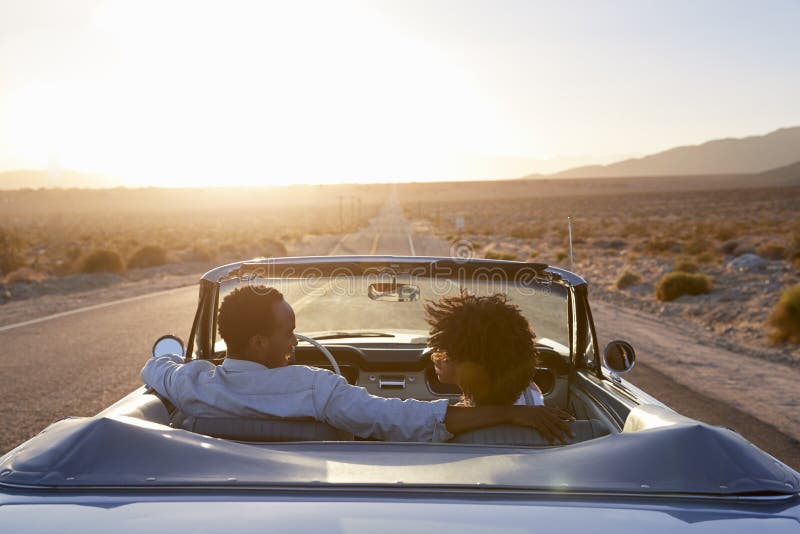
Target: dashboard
column 405, row 371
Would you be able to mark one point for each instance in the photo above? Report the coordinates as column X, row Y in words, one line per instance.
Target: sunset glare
column 250, row 93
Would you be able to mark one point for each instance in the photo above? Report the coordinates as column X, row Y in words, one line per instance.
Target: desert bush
column 705, row 257
column 697, row 246
column 492, row 255
column 24, row 274
column 527, row 231
column 148, row 256
column 771, row 251
column 10, row 251
column 562, row 255
column 102, row 261
column 198, row 253
column 627, row 279
column 729, row 247
column 271, row 248
column 676, row 284
column 634, row 229
column 725, row 233
column 785, row 317
column 685, row 266
column 657, row 246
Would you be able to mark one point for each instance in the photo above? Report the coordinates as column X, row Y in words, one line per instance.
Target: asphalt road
column 75, row 365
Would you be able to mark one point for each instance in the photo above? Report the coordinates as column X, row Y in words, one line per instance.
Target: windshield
column 330, row 306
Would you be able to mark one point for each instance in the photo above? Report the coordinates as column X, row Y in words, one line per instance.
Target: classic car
column 634, row 464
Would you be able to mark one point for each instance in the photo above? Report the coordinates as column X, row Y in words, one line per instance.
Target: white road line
column 305, row 300
column 411, row 245
column 337, row 245
column 93, row 307
column 375, row 244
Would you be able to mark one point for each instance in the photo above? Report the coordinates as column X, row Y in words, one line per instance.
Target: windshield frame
column 205, row 323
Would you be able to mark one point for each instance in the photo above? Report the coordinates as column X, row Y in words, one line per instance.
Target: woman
column 486, row 346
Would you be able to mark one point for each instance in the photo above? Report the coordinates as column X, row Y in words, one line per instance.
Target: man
column 256, row 379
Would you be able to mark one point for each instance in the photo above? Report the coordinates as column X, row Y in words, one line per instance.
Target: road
column 77, row 364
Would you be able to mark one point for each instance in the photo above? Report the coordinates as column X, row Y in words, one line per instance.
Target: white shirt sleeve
column 171, row 378
column 201, row 389
column 352, row 408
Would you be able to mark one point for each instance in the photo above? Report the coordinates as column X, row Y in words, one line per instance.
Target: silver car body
column 131, row 468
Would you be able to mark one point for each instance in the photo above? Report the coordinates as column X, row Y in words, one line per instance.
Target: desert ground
column 705, row 349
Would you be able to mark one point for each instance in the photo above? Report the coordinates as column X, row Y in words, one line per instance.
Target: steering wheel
column 322, row 349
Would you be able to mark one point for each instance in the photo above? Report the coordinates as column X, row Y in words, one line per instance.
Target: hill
column 36, row 179
column 748, row 155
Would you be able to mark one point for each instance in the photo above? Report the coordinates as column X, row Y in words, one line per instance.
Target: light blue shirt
column 241, row 388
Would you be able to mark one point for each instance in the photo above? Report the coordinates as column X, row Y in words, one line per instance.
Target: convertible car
column 634, row 465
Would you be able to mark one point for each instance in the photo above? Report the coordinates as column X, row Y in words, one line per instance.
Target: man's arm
column 550, row 422
column 353, row 409
column 157, row 373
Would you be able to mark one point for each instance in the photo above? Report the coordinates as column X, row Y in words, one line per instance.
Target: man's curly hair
column 490, row 339
column 246, row 312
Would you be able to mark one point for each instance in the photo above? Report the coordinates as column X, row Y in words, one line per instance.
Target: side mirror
column 619, row 356
column 393, row 292
column 168, row 344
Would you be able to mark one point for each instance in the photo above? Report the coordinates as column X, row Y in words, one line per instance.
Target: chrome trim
column 480, row 490
column 223, row 271
column 392, row 382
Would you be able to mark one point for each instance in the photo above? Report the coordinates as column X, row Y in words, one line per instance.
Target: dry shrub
column 685, row 266
column 729, row 247
column 492, row 255
column 772, row 251
column 705, row 257
column 627, row 279
column 676, row 284
column 528, row 231
column 562, row 255
column 725, row 233
column 102, row 261
column 785, row 317
column 148, row 256
column 272, row 248
column 634, row 229
column 697, row 246
column 10, row 251
column 658, row 245
column 24, row 274
column 199, row 253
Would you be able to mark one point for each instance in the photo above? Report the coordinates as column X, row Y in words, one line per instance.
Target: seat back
column 523, row 435
column 265, row 429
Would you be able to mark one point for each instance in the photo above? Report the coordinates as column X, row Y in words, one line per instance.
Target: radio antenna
column 569, row 229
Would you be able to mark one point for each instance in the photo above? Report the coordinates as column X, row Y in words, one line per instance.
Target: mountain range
column 748, row 155
column 774, row 157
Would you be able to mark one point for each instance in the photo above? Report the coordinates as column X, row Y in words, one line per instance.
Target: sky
column 253, row 93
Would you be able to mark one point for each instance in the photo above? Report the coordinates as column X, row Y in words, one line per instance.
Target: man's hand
column 550, row 422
